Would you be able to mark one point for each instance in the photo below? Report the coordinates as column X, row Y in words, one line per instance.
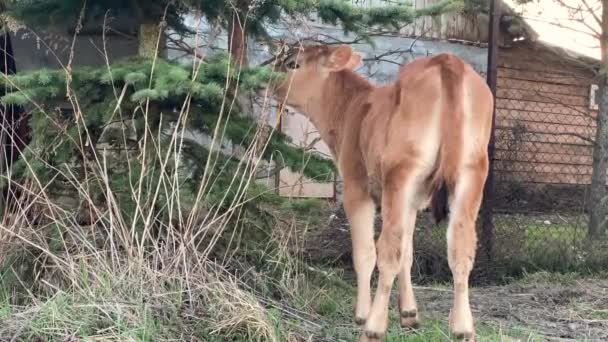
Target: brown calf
column 399, row 146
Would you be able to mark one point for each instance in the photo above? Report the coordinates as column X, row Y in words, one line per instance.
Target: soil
column 554, row 312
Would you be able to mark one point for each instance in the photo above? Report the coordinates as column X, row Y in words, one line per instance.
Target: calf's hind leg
column 462, row 241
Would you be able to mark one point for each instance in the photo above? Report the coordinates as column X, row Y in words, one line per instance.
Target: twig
column 436, row 289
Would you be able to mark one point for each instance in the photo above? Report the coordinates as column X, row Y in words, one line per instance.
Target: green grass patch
column 432, row 330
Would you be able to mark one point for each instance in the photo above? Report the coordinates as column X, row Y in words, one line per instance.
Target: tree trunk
column 598, row 192
column 148, row 40
column 597, row 211
column 237, row 39
column 237, row 43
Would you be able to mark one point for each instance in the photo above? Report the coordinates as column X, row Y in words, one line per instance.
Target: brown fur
column 420, row 140
column 445, row 174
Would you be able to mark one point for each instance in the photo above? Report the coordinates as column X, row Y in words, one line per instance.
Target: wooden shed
column 545, row 125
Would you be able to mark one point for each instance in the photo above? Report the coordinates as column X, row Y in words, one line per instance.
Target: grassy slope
column 128, row 308
column 264, row 292
column 320, row 310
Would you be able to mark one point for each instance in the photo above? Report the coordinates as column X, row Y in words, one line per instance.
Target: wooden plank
column 556, row 78
column 446, row 26
column 544, row 157
column 548, row 67
column 293, row 184
column 537, row 96
column 302, row 132
column 543, row 107
column 557, row 129
column 534, row 116
column 541, row 147
column 515, row 166
column 554, row 138
column 546, row 178
column 513, row 83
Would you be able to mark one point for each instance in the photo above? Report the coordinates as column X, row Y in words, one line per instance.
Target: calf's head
column 308, row 68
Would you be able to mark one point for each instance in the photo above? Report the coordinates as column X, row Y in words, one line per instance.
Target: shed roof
column 515, row 27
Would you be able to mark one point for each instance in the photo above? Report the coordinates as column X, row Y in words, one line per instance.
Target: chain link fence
column 545, row 127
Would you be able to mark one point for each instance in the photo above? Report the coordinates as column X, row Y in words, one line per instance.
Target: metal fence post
column 487, row 237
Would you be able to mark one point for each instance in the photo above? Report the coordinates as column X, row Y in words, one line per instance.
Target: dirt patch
column 556, row 312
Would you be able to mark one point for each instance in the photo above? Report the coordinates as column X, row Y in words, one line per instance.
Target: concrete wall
column 51, row 48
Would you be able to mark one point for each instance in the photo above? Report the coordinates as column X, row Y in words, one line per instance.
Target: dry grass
column 151, row 274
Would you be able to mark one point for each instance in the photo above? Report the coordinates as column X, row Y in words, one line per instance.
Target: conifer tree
column 149, row 92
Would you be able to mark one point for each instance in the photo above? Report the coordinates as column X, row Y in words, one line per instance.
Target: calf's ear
column 355, row 61
column 343, row 57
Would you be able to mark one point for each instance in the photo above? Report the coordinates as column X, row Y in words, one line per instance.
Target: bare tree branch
column 381, row 57
column 591, row 28
column 594, row 33
column 574, row 9
column 592, row 12
column 581, row 16
column 381, row 60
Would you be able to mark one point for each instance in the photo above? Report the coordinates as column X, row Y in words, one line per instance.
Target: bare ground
column 553, row 310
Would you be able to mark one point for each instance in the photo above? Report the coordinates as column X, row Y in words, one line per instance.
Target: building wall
column 472, row 28
column 51, row 48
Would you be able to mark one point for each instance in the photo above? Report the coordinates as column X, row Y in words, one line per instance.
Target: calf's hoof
column 465, row 336
column 363, row 338
column 462, row 326
column 409, row 319
column 360, row 321
column 374, row 335
column 376, row 326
